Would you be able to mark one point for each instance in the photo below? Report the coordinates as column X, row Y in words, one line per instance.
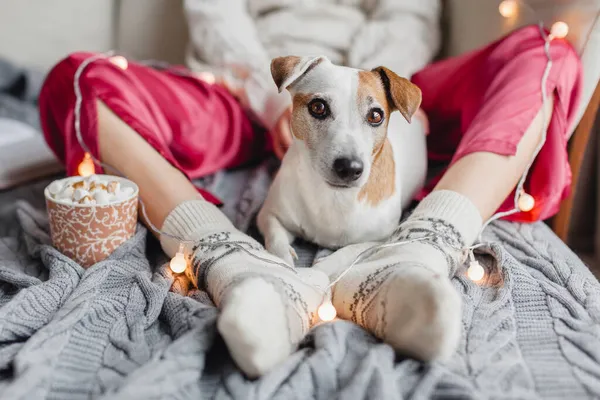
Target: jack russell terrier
column 344, row 179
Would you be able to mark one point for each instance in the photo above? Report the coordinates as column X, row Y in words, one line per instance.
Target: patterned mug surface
column 90, row 233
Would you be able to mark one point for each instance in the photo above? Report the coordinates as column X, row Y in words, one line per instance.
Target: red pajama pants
column 482, row 101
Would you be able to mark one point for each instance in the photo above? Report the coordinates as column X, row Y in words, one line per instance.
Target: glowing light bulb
column 178, row 263
column 86, row 167
column 508, row 8
column 120, row 62
column 559, row 29
column 475, row 272
column 206, row 77
column 327, row 311
column 526, row 202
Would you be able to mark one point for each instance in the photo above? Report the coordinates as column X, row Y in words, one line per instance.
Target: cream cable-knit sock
column 265, row 309
column 404, row 294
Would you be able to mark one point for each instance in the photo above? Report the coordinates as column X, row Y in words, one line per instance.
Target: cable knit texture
column 116, row 331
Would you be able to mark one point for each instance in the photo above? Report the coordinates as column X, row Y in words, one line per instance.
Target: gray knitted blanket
column 123, row 329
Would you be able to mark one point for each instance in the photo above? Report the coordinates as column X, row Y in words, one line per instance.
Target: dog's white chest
column 342, row 220
column 332, row 218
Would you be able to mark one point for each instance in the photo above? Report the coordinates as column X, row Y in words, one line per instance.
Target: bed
column 127, row 328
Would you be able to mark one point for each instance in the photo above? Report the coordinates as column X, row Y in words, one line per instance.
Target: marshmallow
column 95, row 186
column 122, row 196
column 101, row 197
column 55, row 188
column 113, row 187
column 87, row 200
column 79, row 194
column 92, row 179
column 92, row 190
column 127, row 191
column 65, row 194
column 80, row 185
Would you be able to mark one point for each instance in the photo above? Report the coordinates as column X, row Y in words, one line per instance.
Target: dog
column 354, row 164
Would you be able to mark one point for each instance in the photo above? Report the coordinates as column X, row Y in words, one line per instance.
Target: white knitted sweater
column 402, row 35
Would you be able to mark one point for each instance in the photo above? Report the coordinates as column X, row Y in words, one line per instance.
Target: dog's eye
column 375, row 116
column 318, row 109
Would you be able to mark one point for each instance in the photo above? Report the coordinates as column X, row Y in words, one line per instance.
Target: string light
column 526, row 202
column 326, row 311
column 508, row 8
column 206, row 77
column 559, row 29
column 120, row 62
column 86, row 166
column 475, row 272
column 178, row 263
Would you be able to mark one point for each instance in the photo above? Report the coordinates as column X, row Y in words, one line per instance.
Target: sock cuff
column 453, row 208
column 188, row 220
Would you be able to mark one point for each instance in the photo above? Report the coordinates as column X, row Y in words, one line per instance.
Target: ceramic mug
column 89, row 233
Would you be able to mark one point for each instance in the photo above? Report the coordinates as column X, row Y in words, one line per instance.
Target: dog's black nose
column 348, row 169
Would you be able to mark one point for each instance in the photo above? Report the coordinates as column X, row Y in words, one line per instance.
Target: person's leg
column 265, row 309
column 198, row 127
column 487, row 119
column 404, row 295
column 162, row 186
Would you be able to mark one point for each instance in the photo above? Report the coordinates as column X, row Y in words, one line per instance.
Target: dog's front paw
column 283, row 250
column 338, row 261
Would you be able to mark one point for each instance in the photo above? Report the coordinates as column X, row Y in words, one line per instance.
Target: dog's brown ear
column 287, row 70
column 401, row 93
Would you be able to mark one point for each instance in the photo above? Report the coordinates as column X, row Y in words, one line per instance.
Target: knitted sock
column 266, row 309
column 404, row 294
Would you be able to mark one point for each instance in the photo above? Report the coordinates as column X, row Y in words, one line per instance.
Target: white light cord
column 79, row 100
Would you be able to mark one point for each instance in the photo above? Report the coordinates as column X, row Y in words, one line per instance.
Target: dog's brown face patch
column 371, row 92
column 381, row 184
column 402, row 93
column 370, row 85
column 300, row 102
column 382, row 179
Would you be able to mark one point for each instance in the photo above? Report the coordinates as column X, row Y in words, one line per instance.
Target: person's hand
column 281, row 134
